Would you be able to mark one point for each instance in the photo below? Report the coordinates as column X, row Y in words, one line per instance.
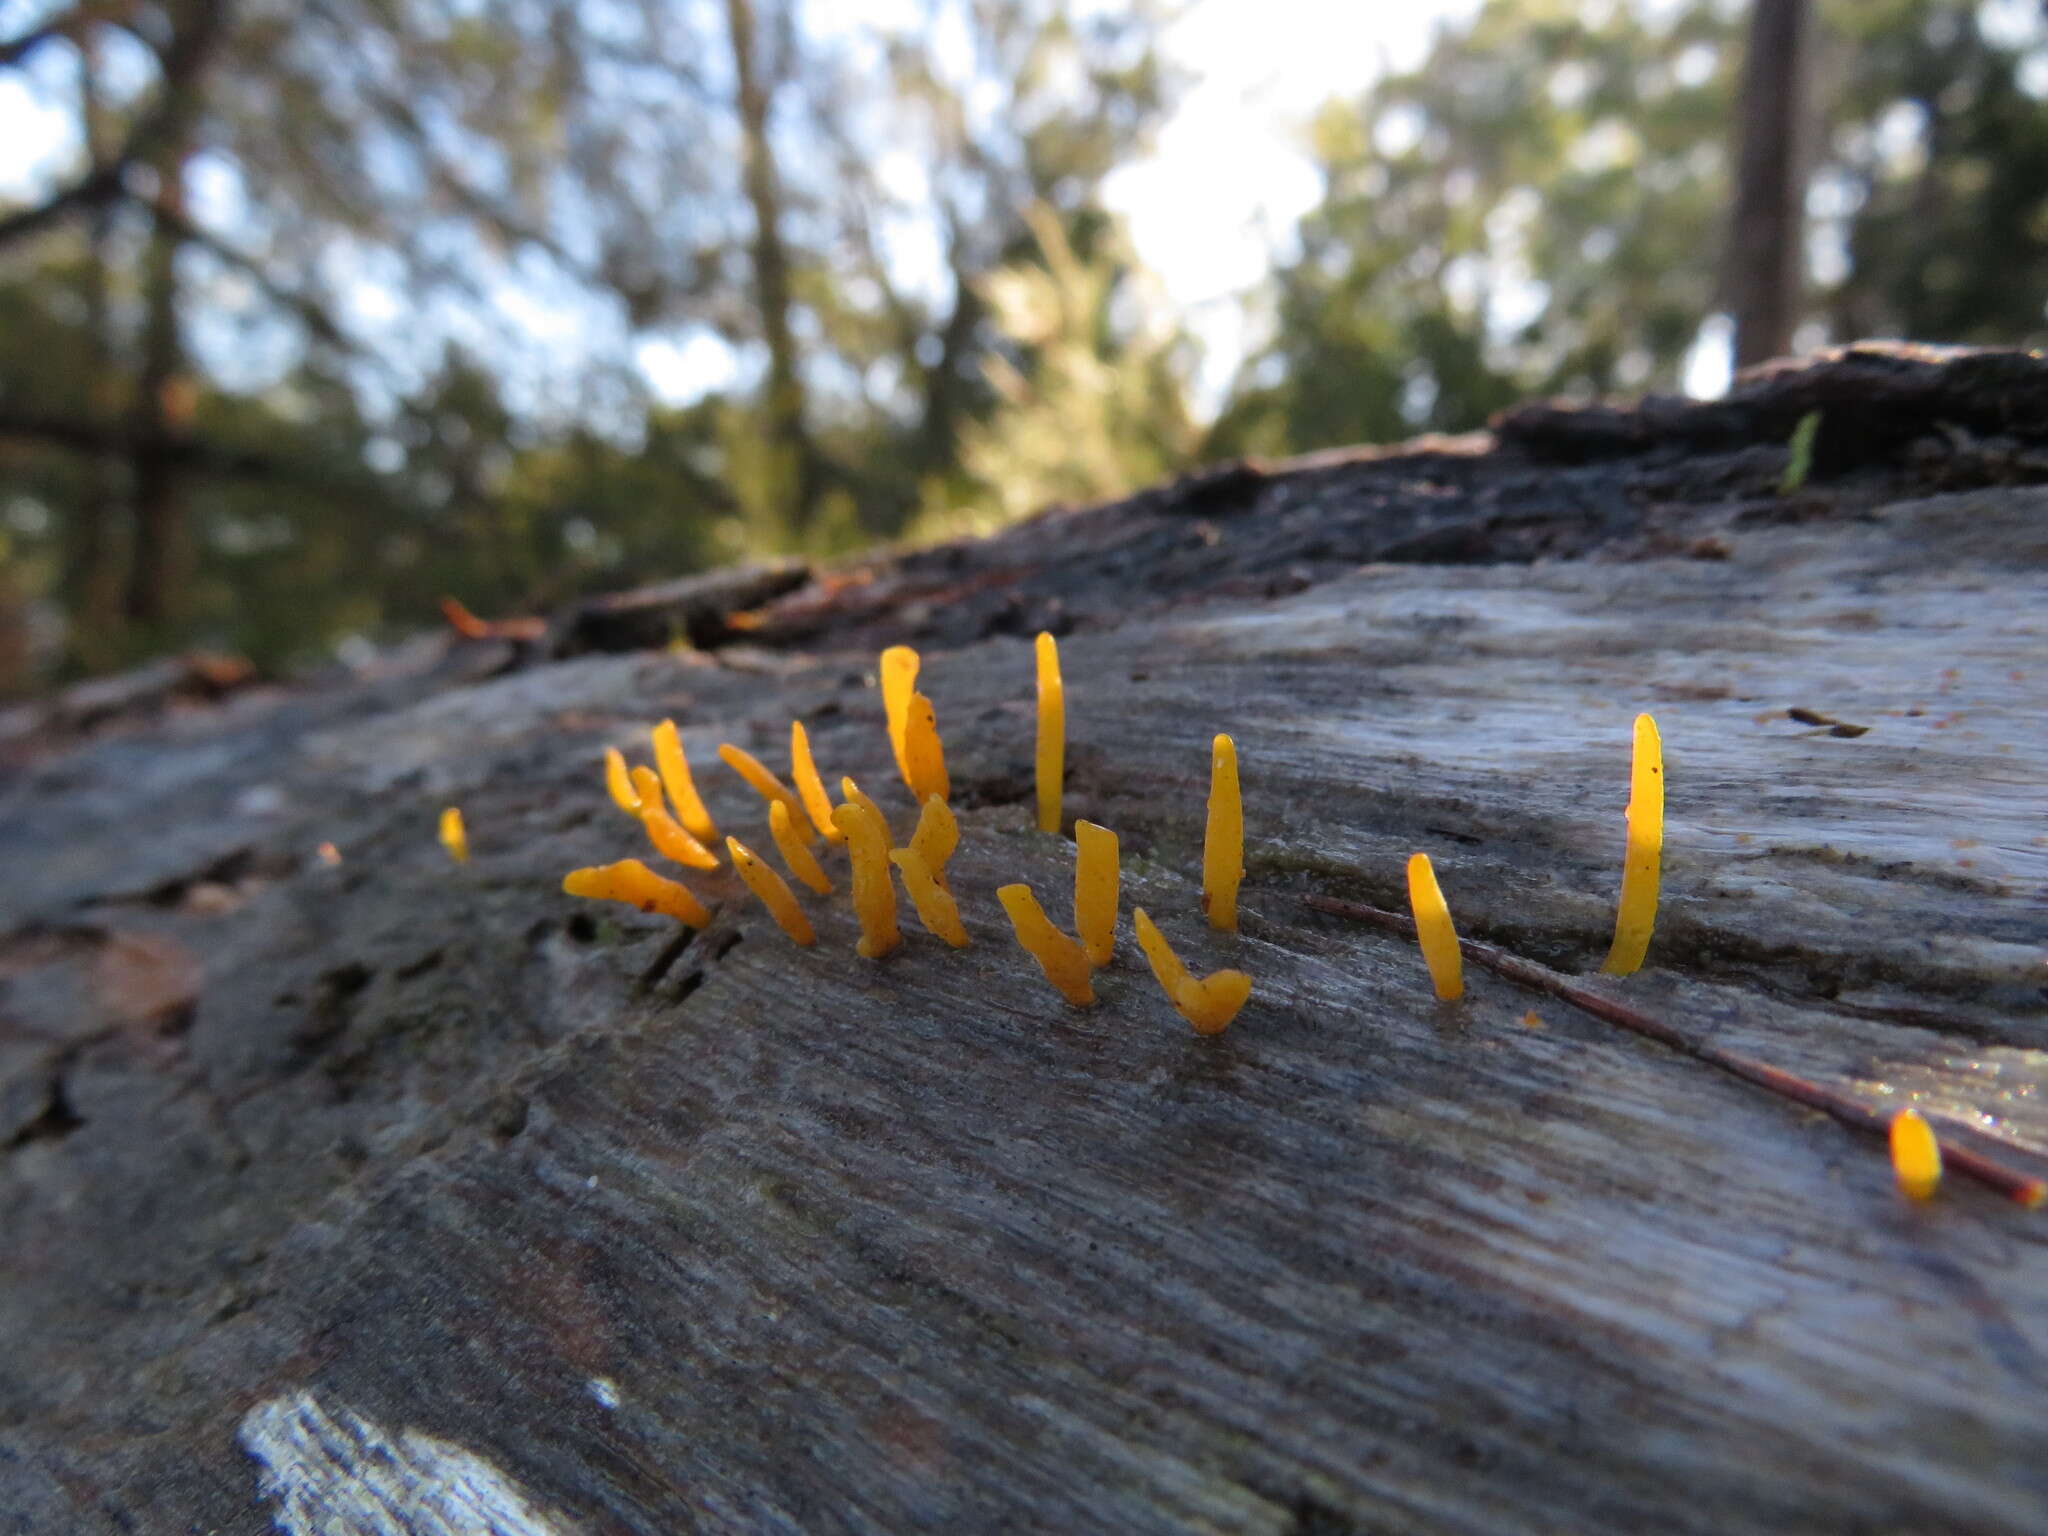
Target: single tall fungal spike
column 773, row 890
column 1052, row 734
column 1209, row 1002
column 636, row 885
column 1064, row 962
column 454, row 836
column 682, row 789
column 795, row 852
column 874, row 893
column 1637, row 916
column 1433, row 929
column 804, row 769
column 934, row 903
column 1223, row 844
column 855, row 795
column 669, row 839
column 925, row 768
column 765, row 784
column 1916, row 1155
column 937, row 835
column 618, row 784
column 1098, row 876
column 899, row 682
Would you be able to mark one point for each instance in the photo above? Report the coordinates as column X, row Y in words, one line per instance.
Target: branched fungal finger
column 667, row 835
column 1098, row 878
column 926, row 755
column 618, row 784
column 682, row 788
column 1223, row 842
column 804, row 769
column 899, row 681
column 936, row 836
column 874, row 893
column 454, row 836
column 935, row 906
column 795, row 852
column 636, row 885
column 1052, row 733
column 765, row 784
column 773, row 890
column 1064, row 962
column 855, row 795
column 1916, row 1155
column 1433, row 930
column 1209, row 1002
column 1636, row 916
column 1166, row 965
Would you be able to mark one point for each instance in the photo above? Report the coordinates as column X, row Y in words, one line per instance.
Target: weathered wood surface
column 390, row 1197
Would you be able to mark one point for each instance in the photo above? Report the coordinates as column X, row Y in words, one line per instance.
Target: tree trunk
column 1767, row 254
column 164, row 397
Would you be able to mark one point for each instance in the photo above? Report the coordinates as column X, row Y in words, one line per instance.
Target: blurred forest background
column 262, row 388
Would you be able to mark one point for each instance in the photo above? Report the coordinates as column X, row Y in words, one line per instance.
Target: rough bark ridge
column 386, row 1196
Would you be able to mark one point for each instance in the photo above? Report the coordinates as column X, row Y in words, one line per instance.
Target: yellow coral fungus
column 1916, row 1155
column 454, row 836
column 934, row 903
column 855, row 795
column 1052, row 734
column 795, row 852
column 667, row 835
column 874, row 893
column 924, row 755
column 773, row 890
column 636, row 885
column 899, row 682
column 682, row 788
column 1433, row 930
column 937, row 835
column 1064, row 962
column 1637, row 915
column 617, row 782
column 1097, row 878
column 1223, row 841
column 804, row 769
column 765, row 784
column 1209, row 1002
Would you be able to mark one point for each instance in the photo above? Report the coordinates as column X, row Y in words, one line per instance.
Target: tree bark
column 1767, row 251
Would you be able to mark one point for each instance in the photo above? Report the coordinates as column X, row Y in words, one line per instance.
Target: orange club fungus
column 682, row 789
column 1052, row 734
column 1637, row 915
column 618, row 783
column 1223, row 840
column 1209, row 1002
column 765, row 784
column 874, row 893
column 773, row 890
column 853, row 794
column 1916, row 1155
column 796, row 853
column 924, row 755
column 669, row 839
column 937, row 835
column 1098, row 876
column 899, row 681
column 804, row 769
column 935, row 906
column 454, row 836
column 636, row 885
column 1433, row 930
column 1064, row 962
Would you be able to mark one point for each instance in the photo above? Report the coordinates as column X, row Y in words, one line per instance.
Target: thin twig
column 2015, row 1185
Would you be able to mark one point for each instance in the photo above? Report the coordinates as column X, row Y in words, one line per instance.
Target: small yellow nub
column 937, row 835
column 1209, row 1002
column 1097, row 880
column 926, row 757
column 1916, row 1155
column 804, row 769
column 669, row 839
column 636, row 885
column 765, row 784
column 1052, row 734
column 1433, row 929
column 874, row 893
column 618, row 784
column 453, row 835
column 1637, row 915
column 682, row 788
column 1064, row 962
column 934, row 903
column 773, row 890
column 899, row 681
column 1223, row 843
column 795, row 852
column 855, row 795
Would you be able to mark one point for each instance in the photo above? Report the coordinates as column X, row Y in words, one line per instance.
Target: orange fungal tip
column 1636, row 917
column 1433, row 930
column 937, row 835
column 899, row 681
column 1223, row 841
column 1209, row 1002
column 796, row 853
column 619, row 783
column 809, row 786
column 1097, row 880
column 1916, row 1155
column 874, row 893
column 633, row 883
column 681, row 787
column 935, row 906
column 1052, row 733
column 772, row 889
column 1064, row 962
column 924, row 755
column 765, row 784
column 667, row 835
column 328, row 854
column 853, row 794
column 454, row 836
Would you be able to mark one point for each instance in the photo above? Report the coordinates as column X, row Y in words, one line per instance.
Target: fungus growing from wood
column 935, row 906
column 773, row 890
column 804, row 769
column 1098, row 876
column 1064, row 962
column 874, row 893
column 454, row 836
column 765, row 784
column 636, row 885
column 682, row 788
column 1637, row 915
column 1223, row 841
column 1209, row 1002
column 853, row 793
column 795, row 851
column 1052, row 733
column 924, row 754
column 1433, row 930
column 899, row 681
column 668, row 837
column 618, row 783
column 1916, row 1155
column 936, row 836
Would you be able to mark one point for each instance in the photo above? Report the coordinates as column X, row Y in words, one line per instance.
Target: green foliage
column 1799, row 460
